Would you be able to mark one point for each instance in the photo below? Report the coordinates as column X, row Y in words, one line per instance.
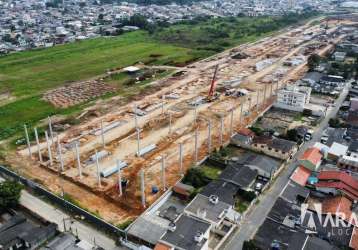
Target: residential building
column 339, row 56
column 187, row 233
column 336, row 151
column 348, row 162
column 335, row 182
column 293, row 98
column 275, row 147
column 311, row 159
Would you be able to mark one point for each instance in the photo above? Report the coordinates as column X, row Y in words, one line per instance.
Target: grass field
column 27, row 75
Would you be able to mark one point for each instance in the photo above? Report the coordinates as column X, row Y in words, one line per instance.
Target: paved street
column 257, row 216
column 57, row 216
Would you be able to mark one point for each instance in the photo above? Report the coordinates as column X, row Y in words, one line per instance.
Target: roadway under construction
column 153, row 141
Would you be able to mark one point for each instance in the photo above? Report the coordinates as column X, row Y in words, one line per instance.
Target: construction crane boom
column 213, row 82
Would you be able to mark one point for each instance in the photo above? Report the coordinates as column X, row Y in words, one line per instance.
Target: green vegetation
column 196, row 178
column 210, row 172
column 241, row 206
column 27, row 75
column 10, row 192
column 125, row 224
column 313, row 61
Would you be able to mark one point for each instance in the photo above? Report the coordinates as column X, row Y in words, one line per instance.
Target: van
column 324, row 139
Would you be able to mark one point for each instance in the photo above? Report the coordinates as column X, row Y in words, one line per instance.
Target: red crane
column 213, row 84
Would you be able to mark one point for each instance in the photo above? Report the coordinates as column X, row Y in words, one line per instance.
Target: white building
column 293, row 98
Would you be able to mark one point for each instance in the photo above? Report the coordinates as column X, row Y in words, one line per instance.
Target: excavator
column 213, row 95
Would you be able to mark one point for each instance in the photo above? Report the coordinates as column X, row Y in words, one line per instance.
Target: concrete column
column 195, row 114
column 163, row 100
column 181, row 159
column 221, row 130
column 138, row 141
column 257, row 100
column 271, row 89
column 119, row 179
column 209, row 137
column 50, row 129
column 232, row 122
column 265, row 93
column 38, row 144
column 196, row 146
column 163, row 173
column 142, row 185
column 277, row 86
column 170, row 123
column 59, row 150
column 250, row 104
column 78, row 160
column 98, row 171
column 102, row 134
column 28, row 141
column 241, row 112
column 135, row 117
column 48, row 148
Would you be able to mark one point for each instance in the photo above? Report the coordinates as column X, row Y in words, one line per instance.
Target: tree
column 292, row 135
column 334, row 123
column 249, row 245
column 10, row 192
column 313, row 61
column 196, row 178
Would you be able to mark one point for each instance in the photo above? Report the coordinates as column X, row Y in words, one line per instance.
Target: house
column 225, row 191
column 211, row 210
column 336, row 151
column 265, row 166
column 243, row 137
column 311, row 159
column 354, row 104
column 19, row 233
column 275, row 147
column 187, row 233
column 293, row 98
column 330, row 80
column 334, row 182
column 301, row 175
column 348, row 162
column 312, row 78
column 242, row 176
column 294, row 193
column 352, row 119
column 339, row 56
column 353, row 149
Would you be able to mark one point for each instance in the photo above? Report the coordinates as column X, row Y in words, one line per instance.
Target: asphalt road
column 53, row 214
column 256, row 217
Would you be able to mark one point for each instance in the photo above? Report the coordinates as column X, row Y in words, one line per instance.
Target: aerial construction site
column 119, row 161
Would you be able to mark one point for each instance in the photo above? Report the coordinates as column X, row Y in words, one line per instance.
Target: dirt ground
column 121, row 143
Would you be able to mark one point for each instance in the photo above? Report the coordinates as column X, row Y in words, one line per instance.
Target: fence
column 96, row 222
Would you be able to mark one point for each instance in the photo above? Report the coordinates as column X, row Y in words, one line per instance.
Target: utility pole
column 135, row 117
column 49, row 148
column 119, row 179
column 78, row 160
column 38, row 144
column 28, row 141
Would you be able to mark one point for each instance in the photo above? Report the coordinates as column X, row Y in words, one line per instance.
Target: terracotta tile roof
column 162, row 246
column 313, row 155
column 339, row 180
column 246, row 132
column 301, row 175
column 336, row 205
column 354, row 240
